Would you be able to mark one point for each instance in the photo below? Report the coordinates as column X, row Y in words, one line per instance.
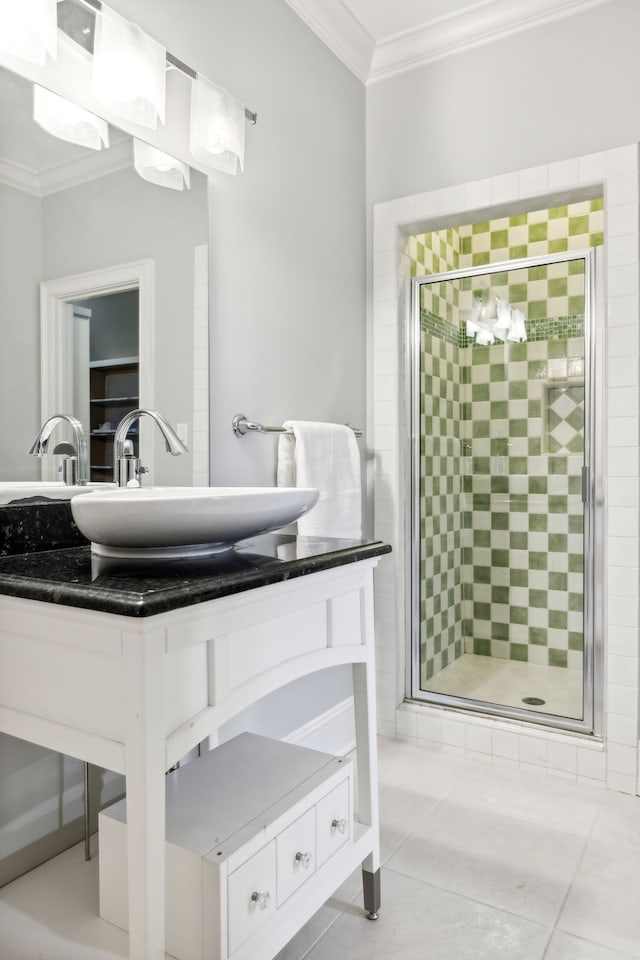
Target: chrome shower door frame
column 593, row 548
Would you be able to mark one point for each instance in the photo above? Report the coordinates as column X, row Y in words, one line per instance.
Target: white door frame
column 56, row 362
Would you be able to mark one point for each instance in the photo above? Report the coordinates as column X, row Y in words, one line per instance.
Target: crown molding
column 484, row 23
column 15, row 175
column 91, row 166
column 340, row 31
column 480, row 23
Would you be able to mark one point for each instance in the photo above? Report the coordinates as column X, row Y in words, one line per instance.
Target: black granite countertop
column 141, row 588
column 37, row 523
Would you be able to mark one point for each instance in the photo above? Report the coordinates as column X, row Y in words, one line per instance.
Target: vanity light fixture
column 28, row 29
column 217, row 127
column 128, row 70
column 129, row 79
column 158, row 167
column 67, row 121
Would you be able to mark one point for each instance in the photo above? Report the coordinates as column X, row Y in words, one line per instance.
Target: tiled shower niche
column 502, row 433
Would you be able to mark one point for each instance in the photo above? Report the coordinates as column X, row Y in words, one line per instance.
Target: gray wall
column 114, row 325
column 550, row 93
column 20, row 271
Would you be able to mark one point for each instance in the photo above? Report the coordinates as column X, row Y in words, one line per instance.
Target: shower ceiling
column 377, row 38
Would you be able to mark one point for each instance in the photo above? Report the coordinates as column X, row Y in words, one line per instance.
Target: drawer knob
column 339, row 825
column 261, row 900
column 304, row 859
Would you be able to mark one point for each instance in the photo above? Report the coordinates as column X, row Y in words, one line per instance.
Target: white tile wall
column 615, row 758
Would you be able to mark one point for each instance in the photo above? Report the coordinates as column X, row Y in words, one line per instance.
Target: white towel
column 325, row 456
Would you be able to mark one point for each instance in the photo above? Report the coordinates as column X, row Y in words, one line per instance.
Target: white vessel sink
column 184, row 521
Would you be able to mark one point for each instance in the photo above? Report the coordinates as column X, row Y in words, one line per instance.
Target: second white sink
column 184, row 521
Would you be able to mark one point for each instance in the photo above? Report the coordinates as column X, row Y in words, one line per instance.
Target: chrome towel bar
column 241, row 426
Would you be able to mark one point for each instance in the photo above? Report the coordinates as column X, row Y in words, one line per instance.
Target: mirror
column 83, row 224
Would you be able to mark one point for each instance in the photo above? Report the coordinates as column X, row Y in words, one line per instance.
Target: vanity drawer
column 251, row 895
column 296, row 855
column 333, row 822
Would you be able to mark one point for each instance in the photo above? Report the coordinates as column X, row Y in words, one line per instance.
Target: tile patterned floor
column 507, row 682
column 480, row 862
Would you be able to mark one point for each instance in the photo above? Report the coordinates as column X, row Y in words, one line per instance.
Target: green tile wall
column 576, row 226
column 502, row 429
column 550, row 291
column 442, row 516
column 522, row 541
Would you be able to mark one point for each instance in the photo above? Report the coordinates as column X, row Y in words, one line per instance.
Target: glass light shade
column 518, row 331
column 67, row 121
column 472, row 319
column 158, row 167
column 29, row 29
column 129, row 70
column 504, row 319
column 217, row 127
column 481, row 322
column 484, row 338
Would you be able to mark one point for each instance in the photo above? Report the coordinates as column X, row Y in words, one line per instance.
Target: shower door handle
column 585, row 484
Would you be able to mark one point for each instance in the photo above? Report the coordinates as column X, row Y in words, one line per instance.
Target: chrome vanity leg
column 371, row 891
column 87, row 848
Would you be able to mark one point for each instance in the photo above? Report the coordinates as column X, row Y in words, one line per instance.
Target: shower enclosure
column 504, row 433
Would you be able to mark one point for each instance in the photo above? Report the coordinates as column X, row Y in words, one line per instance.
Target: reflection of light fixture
column 128, row 70
column 28, row 29
column 493, row 320
column 503, row 319
column 217, row 127
column 479, row 325
column 518, row 331
column 159, row 167
column 67, row 121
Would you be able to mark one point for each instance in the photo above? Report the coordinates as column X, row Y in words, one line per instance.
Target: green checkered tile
column 556, row 291
column 565, row 419
column 503, row 427
column 441, row 633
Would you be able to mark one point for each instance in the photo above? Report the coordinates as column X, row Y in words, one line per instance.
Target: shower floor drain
column 534, row 701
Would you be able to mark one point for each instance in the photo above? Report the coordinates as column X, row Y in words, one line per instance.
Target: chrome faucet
column 74, row 468
column 126, row 467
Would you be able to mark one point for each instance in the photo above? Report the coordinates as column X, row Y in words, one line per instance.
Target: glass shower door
column 501, row 530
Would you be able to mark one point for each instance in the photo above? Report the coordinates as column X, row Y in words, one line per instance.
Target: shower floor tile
column 508, row 682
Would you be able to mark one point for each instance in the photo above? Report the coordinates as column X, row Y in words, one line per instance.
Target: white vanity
column 132, row 667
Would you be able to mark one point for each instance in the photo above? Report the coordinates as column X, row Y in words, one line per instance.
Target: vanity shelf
column 114, row 400
column 113, row 393
column 254, row 827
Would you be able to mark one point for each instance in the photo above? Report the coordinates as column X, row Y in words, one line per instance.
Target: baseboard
column 332, row 731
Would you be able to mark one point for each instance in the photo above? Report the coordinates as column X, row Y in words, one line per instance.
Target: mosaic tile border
column 548, row 328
